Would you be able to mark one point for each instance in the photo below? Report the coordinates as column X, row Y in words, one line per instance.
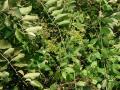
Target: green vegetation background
column 59, row 45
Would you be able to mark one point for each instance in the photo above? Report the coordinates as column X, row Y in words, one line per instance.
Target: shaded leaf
column 4, row 44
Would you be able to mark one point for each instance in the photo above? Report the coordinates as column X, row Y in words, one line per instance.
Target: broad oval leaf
column 4, row 44
column 25, row 10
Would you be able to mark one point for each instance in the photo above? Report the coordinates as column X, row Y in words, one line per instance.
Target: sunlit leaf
column 25, row 10
column 36, row 83
column 81, row 83
column 9, row 51
column 32, row 75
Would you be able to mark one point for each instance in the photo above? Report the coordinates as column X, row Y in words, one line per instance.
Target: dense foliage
column 59, row 45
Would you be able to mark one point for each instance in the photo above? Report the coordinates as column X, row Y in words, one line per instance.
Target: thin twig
column 53, row 23
column 13, row 68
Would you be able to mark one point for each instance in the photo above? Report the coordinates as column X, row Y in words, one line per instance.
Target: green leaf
column 107, row 6
column 65, row 22
column 30, row 18
column 20, row 35
column 50, row 2
column 31, row 75
column 59, row 3
column 98, row 86
column 4, row 74
column 51, row 9
column 5, row 6
column 4, row 44
column 94, row 64
column 57, row 12
column 9, row 51
column 116, row 15
column 53, row 86
column 1, row 88
column 20, row 65
column 60, row 16
column 12, row 3
column 81, row 83
column 34, row 29
column 64, row 74
column 69, row 70
column 105, row 30
column 104, row 83
column 97, row 55
column 16, row 12
column 25, row 10
column 15, row 88
column 18, row 57
column 94, row 81
column 36, row 83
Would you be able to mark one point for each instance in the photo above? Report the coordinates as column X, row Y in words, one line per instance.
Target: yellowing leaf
column 31, row 75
